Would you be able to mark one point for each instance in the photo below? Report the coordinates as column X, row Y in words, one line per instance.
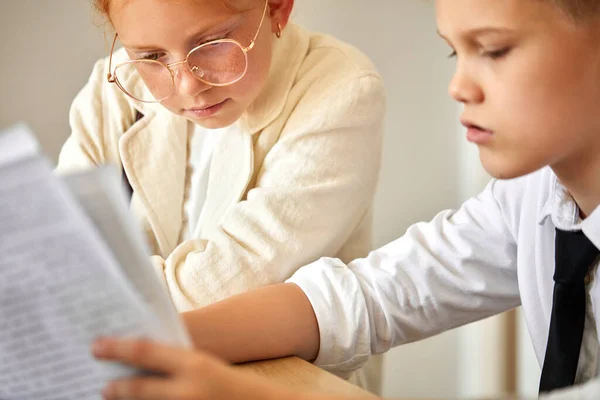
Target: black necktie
column 574, row 256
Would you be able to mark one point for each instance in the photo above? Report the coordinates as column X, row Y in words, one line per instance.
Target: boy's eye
column 497, row 54
column 452, row 55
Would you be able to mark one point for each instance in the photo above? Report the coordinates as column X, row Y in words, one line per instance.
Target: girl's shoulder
column 311, row 67
column 331, row 59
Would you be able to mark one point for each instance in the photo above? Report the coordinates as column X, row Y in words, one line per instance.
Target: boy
column 528, row 74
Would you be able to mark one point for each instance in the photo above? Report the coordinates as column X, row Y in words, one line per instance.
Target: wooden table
column 299, row 375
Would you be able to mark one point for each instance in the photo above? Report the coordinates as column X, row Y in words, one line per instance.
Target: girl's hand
column 186, row 375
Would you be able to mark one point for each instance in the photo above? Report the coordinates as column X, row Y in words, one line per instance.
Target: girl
column 528, row 75
column 240, row 135
column 251, row 145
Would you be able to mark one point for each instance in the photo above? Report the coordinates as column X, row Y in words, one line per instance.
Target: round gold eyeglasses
column 219, row 62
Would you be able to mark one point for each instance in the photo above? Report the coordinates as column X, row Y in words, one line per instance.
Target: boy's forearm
column 271, row 322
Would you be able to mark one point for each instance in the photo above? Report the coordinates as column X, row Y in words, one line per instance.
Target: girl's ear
column 279, row 13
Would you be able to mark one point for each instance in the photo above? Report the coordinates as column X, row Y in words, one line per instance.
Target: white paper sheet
column 60, row 288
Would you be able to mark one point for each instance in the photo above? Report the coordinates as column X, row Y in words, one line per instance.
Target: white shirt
column 201, row 145
column 494, row 253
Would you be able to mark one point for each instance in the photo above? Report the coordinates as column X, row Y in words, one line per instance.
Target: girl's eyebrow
column 194, row 37
column 226, row 25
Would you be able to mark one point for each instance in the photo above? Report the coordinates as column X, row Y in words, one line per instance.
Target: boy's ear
column 279, row 13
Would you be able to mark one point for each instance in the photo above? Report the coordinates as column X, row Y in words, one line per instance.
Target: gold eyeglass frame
column 112, row 77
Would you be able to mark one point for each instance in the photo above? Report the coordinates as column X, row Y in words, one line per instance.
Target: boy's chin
column 507, row 168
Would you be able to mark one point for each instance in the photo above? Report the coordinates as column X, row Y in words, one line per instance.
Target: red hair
column 103, row 6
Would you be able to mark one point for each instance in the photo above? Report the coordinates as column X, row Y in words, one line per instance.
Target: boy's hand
column 187, row 375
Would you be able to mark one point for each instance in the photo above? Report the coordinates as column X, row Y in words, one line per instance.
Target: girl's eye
column 452, row 55
column 209, row 42
column 153, row 57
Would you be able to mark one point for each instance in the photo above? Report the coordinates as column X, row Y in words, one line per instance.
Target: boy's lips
column 476, row 133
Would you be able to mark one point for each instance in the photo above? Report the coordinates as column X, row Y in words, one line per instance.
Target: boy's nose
column 464, row 89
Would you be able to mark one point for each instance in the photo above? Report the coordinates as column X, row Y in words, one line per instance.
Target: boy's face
column 167, row 30
column 529, row 79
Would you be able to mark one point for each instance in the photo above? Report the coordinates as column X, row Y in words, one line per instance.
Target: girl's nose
column 187, row 82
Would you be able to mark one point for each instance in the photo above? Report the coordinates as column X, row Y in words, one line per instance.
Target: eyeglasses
column 219, row 62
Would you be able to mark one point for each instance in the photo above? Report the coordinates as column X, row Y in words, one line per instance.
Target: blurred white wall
column 48, row 49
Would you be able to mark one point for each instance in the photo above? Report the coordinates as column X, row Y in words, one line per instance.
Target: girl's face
column 166, row 30
column 529, row 79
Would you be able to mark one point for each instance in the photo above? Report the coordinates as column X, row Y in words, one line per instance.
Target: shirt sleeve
column 458, row 268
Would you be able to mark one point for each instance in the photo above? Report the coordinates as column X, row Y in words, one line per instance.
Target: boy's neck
column 580, row 175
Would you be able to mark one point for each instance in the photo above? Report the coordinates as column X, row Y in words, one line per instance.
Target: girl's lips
column 204, row 112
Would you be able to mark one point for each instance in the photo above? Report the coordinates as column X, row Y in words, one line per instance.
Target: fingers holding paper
column 184, row 374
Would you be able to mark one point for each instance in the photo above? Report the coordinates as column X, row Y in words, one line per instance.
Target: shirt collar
column 560, row 207
column 591, row 227
column 564, row 212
